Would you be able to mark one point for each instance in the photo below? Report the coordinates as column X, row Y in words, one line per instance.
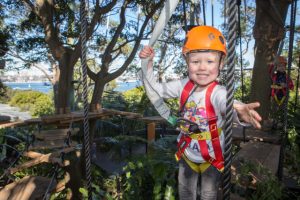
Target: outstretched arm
column 247, row 113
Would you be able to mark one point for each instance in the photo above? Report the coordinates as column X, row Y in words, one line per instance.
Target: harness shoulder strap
column 218, row 162
column 185, row 92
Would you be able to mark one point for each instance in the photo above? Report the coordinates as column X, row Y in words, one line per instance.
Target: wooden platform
column 52, row 139
column 259, row 154
column 79, row 116
column 38, row 158
column 254, row 135
column 28, row 188
column 55, row 134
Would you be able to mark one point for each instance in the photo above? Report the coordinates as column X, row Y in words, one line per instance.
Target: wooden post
column 151, row 132
column 150, row 135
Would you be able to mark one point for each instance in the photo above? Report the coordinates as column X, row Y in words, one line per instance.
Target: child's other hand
column 247, row 113
column 147, row 52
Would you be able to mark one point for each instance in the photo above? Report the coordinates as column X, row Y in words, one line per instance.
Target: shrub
column 36, row 102
column 24, row 99
column 43, row 106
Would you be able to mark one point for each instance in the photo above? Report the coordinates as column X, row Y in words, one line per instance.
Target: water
column 45, row 87
column 124, row 86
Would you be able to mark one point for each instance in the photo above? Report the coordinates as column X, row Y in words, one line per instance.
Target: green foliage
column 145, row 176
column 36, row 102
column 267, row 186
column 292, row 153
column 43, row 106
column 134, row 99
column 134, row 96
column 153, row 176
column 150, row 176
column 3, row 89
column 8, row 93
column 238, row 95
column 24, row 99
column 4, row 35
column 137, row 101
column 113, row 100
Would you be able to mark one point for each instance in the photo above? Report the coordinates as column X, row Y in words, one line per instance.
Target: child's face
column 281, row 66
column 203, row 67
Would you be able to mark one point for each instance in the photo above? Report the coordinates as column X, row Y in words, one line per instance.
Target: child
column 280, row 81
column 202, row 110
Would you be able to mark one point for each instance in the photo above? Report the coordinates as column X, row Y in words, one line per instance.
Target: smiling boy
column 201, row 139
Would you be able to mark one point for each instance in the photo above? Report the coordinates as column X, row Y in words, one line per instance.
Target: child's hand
column 147, row 52
column 247, row 113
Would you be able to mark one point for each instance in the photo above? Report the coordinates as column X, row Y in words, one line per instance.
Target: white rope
column 152, row 94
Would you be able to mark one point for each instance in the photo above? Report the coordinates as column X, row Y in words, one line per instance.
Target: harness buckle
column 213, row 127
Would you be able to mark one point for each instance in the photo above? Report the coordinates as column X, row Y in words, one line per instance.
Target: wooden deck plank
column 55, row 134
column 50, row 144
column 263, row 153
column 28, row 188
column 254, row 134
column 259, row 154
column 42, row 158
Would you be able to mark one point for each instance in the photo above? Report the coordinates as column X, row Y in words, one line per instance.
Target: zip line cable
column 203, row 9
column 184, row 16
column 297, row 85
column 231, row 13
column 238, row 2
column 290, row 58
column 83, row 21
column 212, row 12
column 225, row 14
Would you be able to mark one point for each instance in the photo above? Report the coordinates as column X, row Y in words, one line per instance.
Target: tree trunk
column 97, row 94
column 65, row 85
column 268, row 32
column 54, row 82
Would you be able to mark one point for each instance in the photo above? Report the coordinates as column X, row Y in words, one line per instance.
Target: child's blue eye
column 195, row 62
column 210, row 61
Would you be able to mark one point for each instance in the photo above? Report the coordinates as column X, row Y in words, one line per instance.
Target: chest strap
column 185, row 140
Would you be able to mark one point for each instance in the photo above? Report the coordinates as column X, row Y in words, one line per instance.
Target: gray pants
column 188, row 185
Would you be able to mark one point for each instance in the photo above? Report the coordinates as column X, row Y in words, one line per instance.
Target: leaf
column 169, row 193
column 84, row 192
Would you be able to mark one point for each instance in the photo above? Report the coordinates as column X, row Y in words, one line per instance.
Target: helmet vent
column 221, row 39
column 211, row 36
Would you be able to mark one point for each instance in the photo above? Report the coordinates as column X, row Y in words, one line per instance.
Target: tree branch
column 16, row 55
column 106, row 57
column 120, row 71
column 99, row 12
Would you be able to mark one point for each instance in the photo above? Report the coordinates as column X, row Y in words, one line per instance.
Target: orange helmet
column 282, row 60
column 204, row 38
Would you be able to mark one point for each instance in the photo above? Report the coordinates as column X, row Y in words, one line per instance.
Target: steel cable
column 285, row 106
column 231, row 13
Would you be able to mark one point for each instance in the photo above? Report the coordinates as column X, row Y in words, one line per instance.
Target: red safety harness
column 277, row 91
column 185, row 140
